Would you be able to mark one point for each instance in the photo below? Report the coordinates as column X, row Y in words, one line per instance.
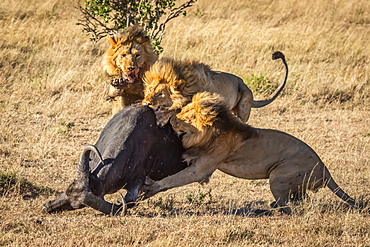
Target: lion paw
column 117, row 81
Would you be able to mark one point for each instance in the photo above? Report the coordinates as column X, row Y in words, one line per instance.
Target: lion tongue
column 131, row 76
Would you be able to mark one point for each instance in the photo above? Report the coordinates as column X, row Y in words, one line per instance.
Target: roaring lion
column 215, row 138
column 129, row 56
column 170, row 84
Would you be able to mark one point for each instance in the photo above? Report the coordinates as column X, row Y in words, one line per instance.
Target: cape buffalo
column 130, row 148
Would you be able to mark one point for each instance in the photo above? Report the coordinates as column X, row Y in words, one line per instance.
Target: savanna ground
column 51, row 105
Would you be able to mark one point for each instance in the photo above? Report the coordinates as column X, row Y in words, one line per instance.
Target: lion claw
column 119, row 81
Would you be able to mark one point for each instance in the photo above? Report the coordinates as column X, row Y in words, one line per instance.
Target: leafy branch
column 101, row 18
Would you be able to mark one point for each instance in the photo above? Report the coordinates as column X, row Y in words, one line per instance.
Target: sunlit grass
column 52, row 103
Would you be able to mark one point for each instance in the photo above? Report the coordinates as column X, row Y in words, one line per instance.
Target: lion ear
column 141, row 39
column 113, row 41
column 180, row 85
column 145, row 39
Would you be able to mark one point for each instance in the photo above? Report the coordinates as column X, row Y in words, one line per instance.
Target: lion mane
column 130, row 35
column 183, row 78
column 204, row 119
column 128, row 57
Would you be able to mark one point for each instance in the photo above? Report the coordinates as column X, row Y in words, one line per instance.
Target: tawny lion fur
column 215, row 139
column 170, row 84
column 129, row 56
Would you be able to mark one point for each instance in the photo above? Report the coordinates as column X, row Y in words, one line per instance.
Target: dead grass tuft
column 10, row 183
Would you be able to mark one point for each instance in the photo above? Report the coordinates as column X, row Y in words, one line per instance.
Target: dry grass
column 51, row 105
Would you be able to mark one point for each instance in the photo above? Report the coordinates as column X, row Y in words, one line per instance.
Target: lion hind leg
column 298, row 196
column 281, row 190
column 294, row 197
column 281, row 197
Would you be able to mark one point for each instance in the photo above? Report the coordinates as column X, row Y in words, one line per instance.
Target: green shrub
column 106, row 17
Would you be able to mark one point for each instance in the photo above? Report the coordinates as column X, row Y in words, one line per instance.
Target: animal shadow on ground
column 250, row 210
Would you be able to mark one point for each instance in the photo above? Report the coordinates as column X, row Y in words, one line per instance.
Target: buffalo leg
column 95, row 202
column 133, row 192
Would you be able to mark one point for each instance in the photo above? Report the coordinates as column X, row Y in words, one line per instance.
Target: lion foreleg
column 117, row 105
column 196, row 172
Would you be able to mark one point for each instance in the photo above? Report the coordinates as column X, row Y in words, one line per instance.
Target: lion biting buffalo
column 215, row 138
column 209, row 110
column 130, row 148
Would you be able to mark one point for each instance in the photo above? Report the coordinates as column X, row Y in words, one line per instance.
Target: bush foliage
column 106, row 17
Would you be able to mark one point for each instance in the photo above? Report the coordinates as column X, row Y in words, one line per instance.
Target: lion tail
column 334, row 187
column 262, row 103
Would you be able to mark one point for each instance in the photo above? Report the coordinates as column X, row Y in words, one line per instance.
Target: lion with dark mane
column 129, row 56
column 215, row 138
column 170, row 84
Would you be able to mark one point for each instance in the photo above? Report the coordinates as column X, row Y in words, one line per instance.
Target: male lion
column 216, row 139
column 170, row 84
column 130, row 54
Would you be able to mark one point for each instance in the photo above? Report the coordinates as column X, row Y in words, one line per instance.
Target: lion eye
column 137, row 55
column 159, row 95
column 123, row 55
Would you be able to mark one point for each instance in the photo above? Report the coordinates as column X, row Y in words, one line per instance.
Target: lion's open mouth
column 131, row 76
